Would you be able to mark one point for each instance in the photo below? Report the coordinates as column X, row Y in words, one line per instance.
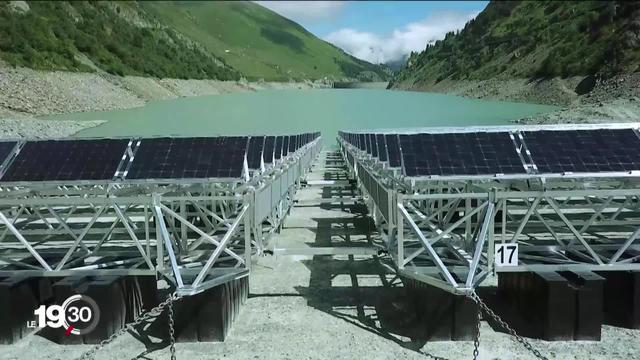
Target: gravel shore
column 38, row 129
column 612, row 100
column 26, row 92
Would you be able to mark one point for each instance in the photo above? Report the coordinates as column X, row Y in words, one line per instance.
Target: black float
column 622, row 298
column 442, row 316
column 551, row 305
column 207, row 316
column 19, row 297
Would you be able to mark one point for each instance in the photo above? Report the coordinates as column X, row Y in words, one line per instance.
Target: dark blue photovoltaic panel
column 481, row 153
column 254, row 153
column 393, row 150
column 381, row 146
column 602, row 150
column 292, row 143
column 361, row 142
column 285, row 145
column 189, row 158
column 278, row 150
column 5, row 149
column 67, row 160
column 374, row 145
column 269, row 146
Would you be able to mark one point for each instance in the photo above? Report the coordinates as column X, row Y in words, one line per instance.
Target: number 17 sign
column 506, row 254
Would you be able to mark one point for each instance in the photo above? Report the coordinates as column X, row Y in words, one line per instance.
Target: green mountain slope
column 530, row 39
column 258, row 42
column 114, row 36
column 213, row 40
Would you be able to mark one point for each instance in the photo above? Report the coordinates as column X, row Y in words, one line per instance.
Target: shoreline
column 31, row 128
column 30, row 93
column 613, row 100
column 26, row 94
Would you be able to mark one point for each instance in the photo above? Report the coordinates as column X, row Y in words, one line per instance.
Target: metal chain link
column 476, row 339
column 139, row 320
column 172, row 338
column 527, row 345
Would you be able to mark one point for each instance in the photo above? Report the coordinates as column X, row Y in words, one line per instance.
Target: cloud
column 411, row 37
column 304, row 10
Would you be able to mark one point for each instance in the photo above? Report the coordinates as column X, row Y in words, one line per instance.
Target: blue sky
column 379, row 31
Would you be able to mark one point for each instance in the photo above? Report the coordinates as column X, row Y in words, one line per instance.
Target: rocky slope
column 37, row 129
column 583, row 56
column 27, row 92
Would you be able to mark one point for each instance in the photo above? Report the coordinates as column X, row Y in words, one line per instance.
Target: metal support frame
column 444, row 231
column 204, row 232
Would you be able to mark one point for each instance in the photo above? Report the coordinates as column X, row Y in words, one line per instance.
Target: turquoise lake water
column 286, row 111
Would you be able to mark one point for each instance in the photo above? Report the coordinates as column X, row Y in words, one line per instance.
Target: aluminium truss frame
column 443, row 231
column 196, row 233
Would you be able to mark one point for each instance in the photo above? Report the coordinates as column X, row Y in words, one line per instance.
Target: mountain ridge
column 164, row 40
column 534, row 40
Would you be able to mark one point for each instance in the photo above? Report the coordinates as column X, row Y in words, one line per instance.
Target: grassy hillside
column 57, row 35
column 214, row 40
column 531, row 39
column 258, row 42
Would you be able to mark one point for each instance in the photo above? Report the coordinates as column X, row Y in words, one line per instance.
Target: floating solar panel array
column 604, row 150
column 507, row 152
column 67, row 160
column 160, row 158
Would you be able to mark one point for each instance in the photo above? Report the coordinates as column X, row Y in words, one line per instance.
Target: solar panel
column 382, row 150
column 481, row 153
column 393, row 150
column 285, row 145
column 361, row 142
column 374, row 146
column 254, row 152
column 602, row 150
column 185, row 158
column 6, row 147
column 278, row 150
column 67, row 160
column 269, row 146
column 293, row 143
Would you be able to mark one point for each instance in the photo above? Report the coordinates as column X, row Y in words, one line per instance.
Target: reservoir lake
column 289, row 111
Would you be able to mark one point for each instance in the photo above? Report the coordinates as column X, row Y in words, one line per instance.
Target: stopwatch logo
column 78, row 315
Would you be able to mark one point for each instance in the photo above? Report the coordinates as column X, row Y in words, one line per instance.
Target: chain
column 476, row 339
column 139, row 320
column 172, row 338
column 527, row 345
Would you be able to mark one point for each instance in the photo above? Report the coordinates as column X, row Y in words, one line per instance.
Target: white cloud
column 304, row 10
column 412, row 37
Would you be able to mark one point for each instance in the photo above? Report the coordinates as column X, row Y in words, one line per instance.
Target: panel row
column 148, row 158
column 546, row 150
